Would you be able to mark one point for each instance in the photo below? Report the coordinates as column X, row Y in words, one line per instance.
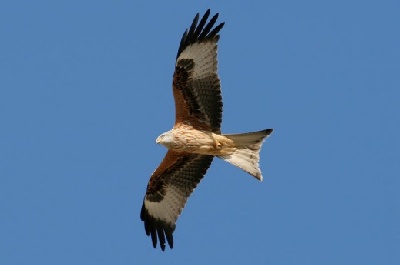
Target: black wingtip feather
column 170, row 238
column 154, row 237
column 199, row 32
column 161, row 237
column 190, row 33
column 215, row 31
column 156, row 228
column 208, row 27
column 202, row 23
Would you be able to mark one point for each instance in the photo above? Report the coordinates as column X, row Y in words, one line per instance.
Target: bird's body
column 185, row 138
column 196, row 137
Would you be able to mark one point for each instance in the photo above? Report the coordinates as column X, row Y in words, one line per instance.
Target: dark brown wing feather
column 196, row 85
column 167, row 192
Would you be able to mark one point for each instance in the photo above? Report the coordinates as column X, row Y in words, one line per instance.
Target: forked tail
column 247, row 153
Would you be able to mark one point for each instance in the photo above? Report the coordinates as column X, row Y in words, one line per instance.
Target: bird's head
column 165, row 139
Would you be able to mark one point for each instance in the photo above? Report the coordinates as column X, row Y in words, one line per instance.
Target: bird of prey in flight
column 196, row 137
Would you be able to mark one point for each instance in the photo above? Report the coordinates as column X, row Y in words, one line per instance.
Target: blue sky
column 85, row 89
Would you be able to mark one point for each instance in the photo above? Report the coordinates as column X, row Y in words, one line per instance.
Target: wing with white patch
column 167, row 192
column 196, row 85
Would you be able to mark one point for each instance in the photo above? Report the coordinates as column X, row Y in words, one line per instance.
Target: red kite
column 196, row 136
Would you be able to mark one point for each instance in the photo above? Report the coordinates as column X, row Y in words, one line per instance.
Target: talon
column 217, row 145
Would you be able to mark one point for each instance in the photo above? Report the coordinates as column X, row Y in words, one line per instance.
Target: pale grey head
column 165, row 139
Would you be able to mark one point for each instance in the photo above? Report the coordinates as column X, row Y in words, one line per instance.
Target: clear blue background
column 85, row 88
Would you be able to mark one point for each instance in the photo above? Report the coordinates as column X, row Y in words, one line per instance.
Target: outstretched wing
column 167, row 192
column 196, row 85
